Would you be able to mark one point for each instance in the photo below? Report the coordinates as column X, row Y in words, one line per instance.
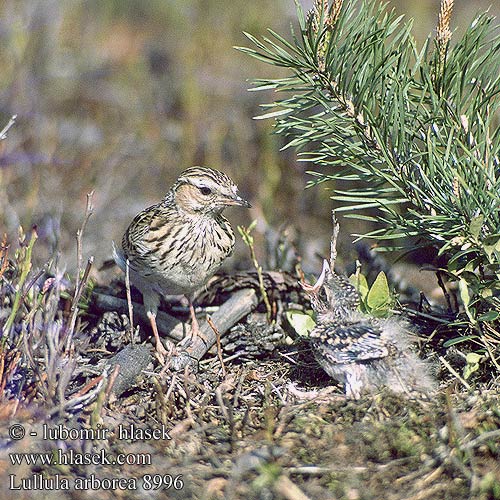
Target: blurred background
column 119, row 96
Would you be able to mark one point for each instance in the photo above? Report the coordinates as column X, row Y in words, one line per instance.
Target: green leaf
column 464, row 292
column 476, row 225
column 491, row 244
column 379, row 296
column 473, row 359
column 489, row 316
column 465, row 296
column 245, row 233
column 459, row 340
column 302, row 323
column 359, row 282
column 273, row 114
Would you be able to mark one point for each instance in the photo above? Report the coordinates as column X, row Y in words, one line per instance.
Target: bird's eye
column 205, row 190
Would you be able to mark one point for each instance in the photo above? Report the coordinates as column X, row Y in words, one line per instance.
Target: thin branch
column 249, row 241
column 192, row 350
column 80, row 282
column 219, row 347
column 129, row 301
column 485, row 436
column 454, row 372
column 3, row 133
column 333, row 241
column 445, row 291
column 74, row 305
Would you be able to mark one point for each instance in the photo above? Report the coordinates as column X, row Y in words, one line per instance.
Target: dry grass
column 116, row 98
column 250, row 423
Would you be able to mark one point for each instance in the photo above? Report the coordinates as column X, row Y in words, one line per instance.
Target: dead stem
column 219, row 347
column 333, row 241
column 80, row 281
column 74, row 306
column 3, row 133
column 129, row 301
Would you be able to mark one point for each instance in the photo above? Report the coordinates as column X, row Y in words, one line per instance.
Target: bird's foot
column 161, row 353
column 195, row 328
column 189, row 339
column 196, row 331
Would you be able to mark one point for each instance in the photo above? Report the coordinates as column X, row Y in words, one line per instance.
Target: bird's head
column 331, row 292
column 318, row 293
column 206, row 191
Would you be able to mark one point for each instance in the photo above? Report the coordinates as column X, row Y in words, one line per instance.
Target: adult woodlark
column 362, row 352
column 175, row 246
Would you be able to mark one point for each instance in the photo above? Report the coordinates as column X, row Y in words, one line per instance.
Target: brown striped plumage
column 175, row 246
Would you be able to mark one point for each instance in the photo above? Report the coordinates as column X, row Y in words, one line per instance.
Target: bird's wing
column 144, row 232
column 350, row 343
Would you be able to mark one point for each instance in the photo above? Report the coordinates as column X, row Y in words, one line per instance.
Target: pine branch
column 416, row 129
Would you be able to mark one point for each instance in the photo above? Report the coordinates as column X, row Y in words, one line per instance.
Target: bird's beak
column 313, row 289
column 236, row 199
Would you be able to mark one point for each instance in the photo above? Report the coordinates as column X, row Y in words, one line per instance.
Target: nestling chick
column 363, row 352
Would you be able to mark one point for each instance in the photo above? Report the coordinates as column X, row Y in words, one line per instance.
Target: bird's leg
column 161, row 351
column 353, row 384
column 195, row 326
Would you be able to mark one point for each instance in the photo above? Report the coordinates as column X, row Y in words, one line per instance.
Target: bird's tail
column 119, row 257
column 414, row 374
column 409, row 372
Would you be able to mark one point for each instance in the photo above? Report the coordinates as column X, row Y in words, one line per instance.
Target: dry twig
column 3, row 133
column 237, row 307
column 333, row 241
column 219, row 347
column 129, row 301
column 80, row 282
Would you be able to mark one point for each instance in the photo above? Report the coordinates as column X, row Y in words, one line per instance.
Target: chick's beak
column 314, row 289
